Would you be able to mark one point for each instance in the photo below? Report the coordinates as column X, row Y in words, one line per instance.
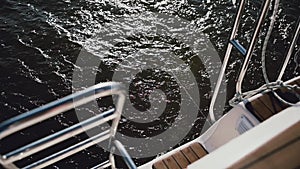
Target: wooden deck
column 268, row 105
column 182, row 158
column 262, row 107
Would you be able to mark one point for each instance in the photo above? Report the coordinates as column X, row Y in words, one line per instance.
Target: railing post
column 225, row 61
column 60, row 106
column 291, row 49
column 251, row 48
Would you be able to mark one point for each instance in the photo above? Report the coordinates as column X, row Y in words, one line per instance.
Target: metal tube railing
column 69, row 151
column 251, row 47
column 58, row 137
column 225, row 61
column 59, row 106
column 125, row 155
column 249, row 53
column 291, row 49
column 105, row 164
column 54, row 108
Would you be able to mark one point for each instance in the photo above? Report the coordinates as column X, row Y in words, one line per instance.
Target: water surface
column 40, row 42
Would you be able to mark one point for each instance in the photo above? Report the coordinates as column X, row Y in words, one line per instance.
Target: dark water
column 40, row 42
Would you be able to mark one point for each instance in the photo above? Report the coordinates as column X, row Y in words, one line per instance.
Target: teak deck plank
column 260, row 110
column 171, row 163
column 271, row 102
column 181, row 159
column 159, row 165
column 198, row 150
column 189, row 154
column 268, row 105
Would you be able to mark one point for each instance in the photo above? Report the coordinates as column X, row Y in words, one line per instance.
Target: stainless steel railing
column 251, row 46
column 248, row 55
column 290, row 51
column 42, row 113
column 225, row 61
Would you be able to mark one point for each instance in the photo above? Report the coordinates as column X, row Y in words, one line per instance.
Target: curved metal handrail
column 126, row 157
column 59, row 106
column 251, row 46
column 37, row 115
column 228, row 53
column 225, row 61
